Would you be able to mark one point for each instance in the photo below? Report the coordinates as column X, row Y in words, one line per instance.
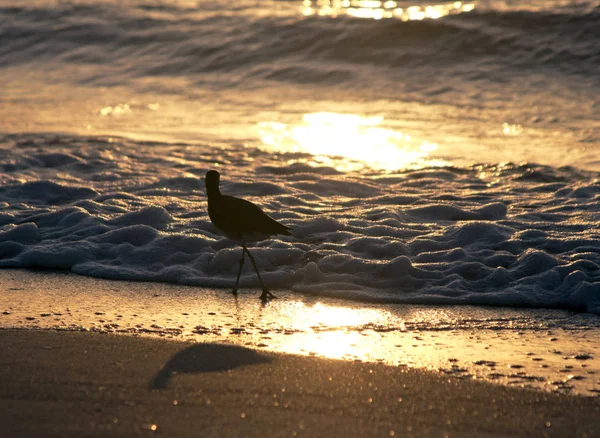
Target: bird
column 241, row 221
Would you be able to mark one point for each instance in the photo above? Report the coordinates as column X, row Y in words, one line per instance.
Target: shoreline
column 548, row 350
column 91, row 384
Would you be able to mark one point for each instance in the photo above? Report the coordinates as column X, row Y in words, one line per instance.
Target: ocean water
column 443, row 153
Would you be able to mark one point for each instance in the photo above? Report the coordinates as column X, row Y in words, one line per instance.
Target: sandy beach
column 138, row 359
column 87, row 384
column 551, row 350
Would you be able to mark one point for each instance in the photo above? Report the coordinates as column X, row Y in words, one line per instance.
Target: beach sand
column 72, row 384
column 89, row 357
column 551, row 350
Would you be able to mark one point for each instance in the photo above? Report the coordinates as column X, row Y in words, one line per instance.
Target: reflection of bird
column 242, row 222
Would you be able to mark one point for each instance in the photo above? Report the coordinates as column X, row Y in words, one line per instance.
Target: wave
column 142, row 41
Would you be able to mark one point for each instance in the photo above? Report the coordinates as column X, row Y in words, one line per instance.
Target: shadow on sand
column 206, row 358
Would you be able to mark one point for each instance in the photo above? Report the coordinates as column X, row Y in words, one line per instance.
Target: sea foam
column 458, row 239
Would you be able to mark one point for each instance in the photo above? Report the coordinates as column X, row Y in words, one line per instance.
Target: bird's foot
column 234, row 291
column 266, row 295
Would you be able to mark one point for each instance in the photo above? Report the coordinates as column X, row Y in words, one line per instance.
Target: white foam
column 425, row 236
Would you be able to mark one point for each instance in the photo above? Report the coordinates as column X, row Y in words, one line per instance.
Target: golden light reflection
column 117, row 110
column 361, row 139
column 377, row 10
column 332, row 345
column 325, row 316
column 335, row 332
column 511, row 130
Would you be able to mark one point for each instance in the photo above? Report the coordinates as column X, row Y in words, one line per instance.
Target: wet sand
column 89, row 357
column 550, row 350
column 74, row 384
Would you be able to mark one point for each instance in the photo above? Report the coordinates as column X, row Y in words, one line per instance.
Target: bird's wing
column 241, row 216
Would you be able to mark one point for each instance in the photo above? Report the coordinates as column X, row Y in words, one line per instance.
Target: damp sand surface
column 553, row 351
column 74, row 384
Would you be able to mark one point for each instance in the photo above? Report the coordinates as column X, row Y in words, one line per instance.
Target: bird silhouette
column 241, row 221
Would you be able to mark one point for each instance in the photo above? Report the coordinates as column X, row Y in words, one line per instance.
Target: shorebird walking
column 241, row 221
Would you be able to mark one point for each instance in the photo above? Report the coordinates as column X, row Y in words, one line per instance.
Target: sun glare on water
column 375, row 9
column 358, row 141
column 330, row 331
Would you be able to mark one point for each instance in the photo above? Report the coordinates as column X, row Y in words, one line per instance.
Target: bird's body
column 241, row 221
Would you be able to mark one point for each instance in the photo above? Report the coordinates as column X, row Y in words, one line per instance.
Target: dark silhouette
column 206, row 358
column 241, row 221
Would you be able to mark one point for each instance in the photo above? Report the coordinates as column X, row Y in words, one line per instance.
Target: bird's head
column 211, row 182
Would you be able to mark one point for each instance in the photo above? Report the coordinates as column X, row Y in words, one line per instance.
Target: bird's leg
column 235, row 288
column 265, row 294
